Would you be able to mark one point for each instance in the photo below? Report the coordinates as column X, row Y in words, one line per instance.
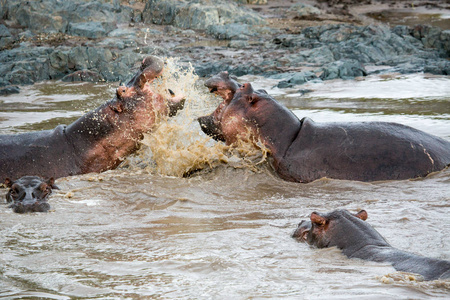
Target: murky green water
column 223, row 233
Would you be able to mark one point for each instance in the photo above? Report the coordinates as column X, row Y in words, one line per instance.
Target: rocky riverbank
column 295, row 41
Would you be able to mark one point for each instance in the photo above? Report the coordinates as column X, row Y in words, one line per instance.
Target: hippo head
column 137, row 95
column 339, row 228
column 223, row 85
column 251, row 115
column 234, row 119
column 29, row 194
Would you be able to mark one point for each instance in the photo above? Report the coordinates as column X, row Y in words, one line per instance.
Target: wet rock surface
column 298, row 42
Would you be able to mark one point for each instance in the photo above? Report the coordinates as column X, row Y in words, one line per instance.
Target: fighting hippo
column 96, row 142
column 29, row 194
column 303, row 150
column 357, row 239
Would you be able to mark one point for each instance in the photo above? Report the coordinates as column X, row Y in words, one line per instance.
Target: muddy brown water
column 224, row 232
column 411, row 18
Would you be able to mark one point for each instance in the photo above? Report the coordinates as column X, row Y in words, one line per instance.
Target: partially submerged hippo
column 96, row 142
column 29, row 194
column 357, row 239
column 303, row 150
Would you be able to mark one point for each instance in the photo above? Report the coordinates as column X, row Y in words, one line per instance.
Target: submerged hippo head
column 339, row 228
column 251, row 115
column 29, row 194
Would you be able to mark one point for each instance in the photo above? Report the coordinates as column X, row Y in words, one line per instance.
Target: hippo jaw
column 29, row 194
column 36, row 206
column 210, row 127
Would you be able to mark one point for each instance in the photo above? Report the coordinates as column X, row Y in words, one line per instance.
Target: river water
column 145, row 231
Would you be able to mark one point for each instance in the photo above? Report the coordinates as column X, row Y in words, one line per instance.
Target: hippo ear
column 252, row 98
column 51, row 182
column 8, row 182
column 318, row 219
column 362, row 215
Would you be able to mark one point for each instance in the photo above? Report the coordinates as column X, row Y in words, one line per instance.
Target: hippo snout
column 29, row 203
column 210, row 127
column 301, row 233
column 30, row 206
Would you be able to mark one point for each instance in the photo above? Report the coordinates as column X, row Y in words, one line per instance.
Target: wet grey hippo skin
column 303, row 150
column 96, row 142
column 29, row 194
column 357, row 239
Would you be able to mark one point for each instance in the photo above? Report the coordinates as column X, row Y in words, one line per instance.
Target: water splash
column 177, row 146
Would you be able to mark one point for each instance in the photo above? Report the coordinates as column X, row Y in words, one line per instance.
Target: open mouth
column 213, row 89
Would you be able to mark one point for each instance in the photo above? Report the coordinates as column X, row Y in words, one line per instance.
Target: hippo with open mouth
column 357, row 239
column 29, row 194
column 97, row 141
column 303, row 150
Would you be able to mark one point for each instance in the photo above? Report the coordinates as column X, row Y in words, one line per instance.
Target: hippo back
column 43, row 153
column 365, row 151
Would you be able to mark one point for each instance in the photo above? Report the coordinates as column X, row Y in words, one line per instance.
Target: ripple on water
column 223, row 232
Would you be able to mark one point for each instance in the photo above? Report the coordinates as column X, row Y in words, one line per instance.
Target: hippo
column 97, row 141
column 303, row 150
column 29, row 194
column 357, row 239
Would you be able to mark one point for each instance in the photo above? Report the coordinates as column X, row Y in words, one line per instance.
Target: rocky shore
column 295, row 41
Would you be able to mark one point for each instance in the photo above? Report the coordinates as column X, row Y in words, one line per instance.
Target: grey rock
column 297, row 79
column 122, row 32
column 303, row 10
column 4, row 32
column 91, row 30
column 9, row 90
column 198, row 14
column 229, row 31
column 240, row 44
column 345, row 69
column 83, row 75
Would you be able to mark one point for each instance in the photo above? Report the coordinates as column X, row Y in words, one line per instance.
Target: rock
column 240, row 44
column 59, row 60
column 122, row 32
column 259, row 2
column 229, row 31
column 55, row 15
column 297, row 78
column 301, row 10
column 345, row 69
column 83, row 75
column 90, row 30
column 9, row 90
column 4, row 32
column 198, row 14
